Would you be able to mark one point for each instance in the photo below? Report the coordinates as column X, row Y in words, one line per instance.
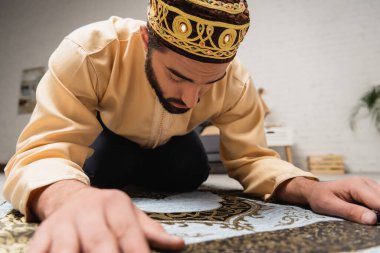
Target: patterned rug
column 226, row 221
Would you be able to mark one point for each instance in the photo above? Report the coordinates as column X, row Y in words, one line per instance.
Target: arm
column 244, row 150
column 263, row 174
column 45, row 176
column 55, row 143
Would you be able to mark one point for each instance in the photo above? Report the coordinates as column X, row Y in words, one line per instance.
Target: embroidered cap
column 187, row 27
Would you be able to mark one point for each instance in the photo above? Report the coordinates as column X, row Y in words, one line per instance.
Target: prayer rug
column 226, row 221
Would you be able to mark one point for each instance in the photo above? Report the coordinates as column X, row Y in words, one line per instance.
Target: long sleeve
column 244, row 150
column 55, row 143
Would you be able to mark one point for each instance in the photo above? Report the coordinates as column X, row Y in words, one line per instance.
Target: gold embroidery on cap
column 233, row 8
column 196, row 35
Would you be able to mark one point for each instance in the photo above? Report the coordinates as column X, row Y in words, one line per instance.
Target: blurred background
column 315, row 59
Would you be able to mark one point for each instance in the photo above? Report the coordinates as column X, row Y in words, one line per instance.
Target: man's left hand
column 356, row 198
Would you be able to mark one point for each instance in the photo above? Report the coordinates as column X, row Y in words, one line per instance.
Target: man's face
column 178, row 81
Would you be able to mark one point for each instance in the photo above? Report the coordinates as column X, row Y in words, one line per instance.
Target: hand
column 92, row 220
column 352, row 198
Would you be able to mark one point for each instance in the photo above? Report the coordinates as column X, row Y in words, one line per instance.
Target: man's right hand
column 80, row 218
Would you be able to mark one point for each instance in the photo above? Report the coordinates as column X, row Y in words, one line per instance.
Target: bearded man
column 119, row 105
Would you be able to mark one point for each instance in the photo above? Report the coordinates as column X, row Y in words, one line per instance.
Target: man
column 147, row 87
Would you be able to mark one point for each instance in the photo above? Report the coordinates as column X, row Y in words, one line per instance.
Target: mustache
column 178, row 101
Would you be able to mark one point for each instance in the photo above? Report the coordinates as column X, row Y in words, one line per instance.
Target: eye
column 175, row 79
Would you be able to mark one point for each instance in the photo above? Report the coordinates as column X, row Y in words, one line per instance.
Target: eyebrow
column 176, row 73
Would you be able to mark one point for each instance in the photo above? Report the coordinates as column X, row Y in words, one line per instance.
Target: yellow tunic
column 100, row 67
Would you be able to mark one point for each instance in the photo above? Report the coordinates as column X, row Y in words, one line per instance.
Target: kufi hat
column 188, row 27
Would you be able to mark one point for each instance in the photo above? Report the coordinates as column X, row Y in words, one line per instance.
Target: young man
column 133, row 93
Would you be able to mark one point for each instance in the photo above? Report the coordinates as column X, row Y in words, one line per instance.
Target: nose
column 190, row 95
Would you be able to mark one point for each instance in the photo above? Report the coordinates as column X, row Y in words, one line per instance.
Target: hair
column 156, row 42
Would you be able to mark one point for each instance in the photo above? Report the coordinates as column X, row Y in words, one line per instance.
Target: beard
column 165, row 102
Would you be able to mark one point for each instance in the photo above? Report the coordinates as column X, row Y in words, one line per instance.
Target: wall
column 314, row 58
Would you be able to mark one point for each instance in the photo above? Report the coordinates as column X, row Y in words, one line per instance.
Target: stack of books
column 326, row 164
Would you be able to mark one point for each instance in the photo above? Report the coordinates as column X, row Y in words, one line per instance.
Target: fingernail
column 175, row 238
column 369, row 217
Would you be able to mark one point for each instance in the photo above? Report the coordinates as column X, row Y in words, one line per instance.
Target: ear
column 144, row 36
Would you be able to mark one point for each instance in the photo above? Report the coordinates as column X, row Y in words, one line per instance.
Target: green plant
column 370, row 101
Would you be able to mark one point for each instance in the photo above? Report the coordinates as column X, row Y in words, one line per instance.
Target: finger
column 94, row 234
column 156, row 234
column 125, row 226
column 372, row 183
column 356, row 213
column 366, row 192
column 376, row 188
column 40, row 242
column 64, row 239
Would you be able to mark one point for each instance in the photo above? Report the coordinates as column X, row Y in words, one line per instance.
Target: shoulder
column 237, row 80
column 238, row 72
column 94, row 37
column 226, row 93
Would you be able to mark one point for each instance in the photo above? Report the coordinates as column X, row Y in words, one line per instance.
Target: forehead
column 191, row 68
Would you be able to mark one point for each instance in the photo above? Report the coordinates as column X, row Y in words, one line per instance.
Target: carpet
column 226, row 221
